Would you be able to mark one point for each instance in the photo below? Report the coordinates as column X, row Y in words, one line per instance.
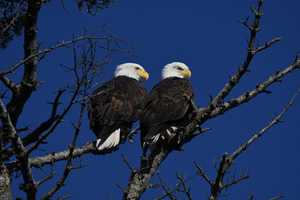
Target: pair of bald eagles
column 118, row 103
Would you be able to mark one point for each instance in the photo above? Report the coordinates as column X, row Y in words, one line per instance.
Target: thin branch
column 45, row 179
column 44, row 126
column 260, row 88
column 236, row 181
column 166, row 189
column 9, row 84
column 267, row 44
column 264, row 130
column 186, row 189
column 227, row 160
column 68, row 166
column 129, row 166
column 48, row 50
column 234, row 80
column 201, row 173
column 60, row 117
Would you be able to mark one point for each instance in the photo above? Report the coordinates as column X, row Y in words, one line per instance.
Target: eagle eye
column 137, row 68
column 180, row 68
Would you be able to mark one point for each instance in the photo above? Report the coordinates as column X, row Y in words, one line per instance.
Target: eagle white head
column 176, row 69
column 132, row 70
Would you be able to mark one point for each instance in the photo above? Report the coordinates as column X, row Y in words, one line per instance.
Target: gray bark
column 5, row 190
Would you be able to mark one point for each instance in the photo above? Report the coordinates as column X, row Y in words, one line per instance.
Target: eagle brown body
column 115, row 106
column 168, row 108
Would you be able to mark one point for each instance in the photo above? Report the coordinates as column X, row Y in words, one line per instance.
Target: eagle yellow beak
column 142, row 73
column 186, row 73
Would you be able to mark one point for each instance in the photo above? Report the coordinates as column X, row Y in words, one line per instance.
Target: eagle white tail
column 112, row 141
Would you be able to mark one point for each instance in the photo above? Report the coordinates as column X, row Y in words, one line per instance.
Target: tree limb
column 227, row 160
column 68, row 166
column 20, row 151
column 29, row 80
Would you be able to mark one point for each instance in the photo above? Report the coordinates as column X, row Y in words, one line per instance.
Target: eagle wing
column 108, row 108
column 168, row 103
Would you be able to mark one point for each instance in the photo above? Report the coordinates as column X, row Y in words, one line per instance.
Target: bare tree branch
column 44, row 126
column 43, row 52
column 68, row 166
column 267, row 45
column 227, row 160
column 55, row 157
column 260, row 88
column 263, row 131
column 20, row 151
column 236, row 181
column 168, row 192
column 186, row 188
column 201, row 173
column 9, row 84
column 234, row 80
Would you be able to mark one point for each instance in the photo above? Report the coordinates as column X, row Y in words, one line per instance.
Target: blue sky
column 205, row 35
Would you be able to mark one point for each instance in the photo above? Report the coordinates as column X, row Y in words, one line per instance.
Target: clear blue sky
column 205, row 35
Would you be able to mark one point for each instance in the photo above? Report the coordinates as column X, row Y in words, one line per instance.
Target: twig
column 166, row 189
column 45, row 179
column 202, row 174
column 236, row 181
column 125, row 160
column 186, row 189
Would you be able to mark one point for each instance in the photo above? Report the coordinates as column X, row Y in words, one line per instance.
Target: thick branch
column 20, row 151
column 57, row 156
column 29, row 80
column 139, row 180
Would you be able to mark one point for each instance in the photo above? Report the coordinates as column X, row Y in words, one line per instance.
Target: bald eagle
column 168, row 107
column 116, row 105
